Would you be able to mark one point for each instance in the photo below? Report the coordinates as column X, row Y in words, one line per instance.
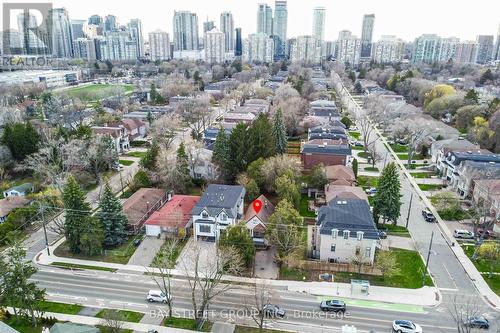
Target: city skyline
column 390, row 21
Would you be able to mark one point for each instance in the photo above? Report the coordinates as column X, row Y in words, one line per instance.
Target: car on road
column 273, row 311
column 487, row 233
column 428, row 216
column 477, row 322
column 333, row 305
column 156, row 296
column 405, row 326
column 464, row 234
column 382, row 234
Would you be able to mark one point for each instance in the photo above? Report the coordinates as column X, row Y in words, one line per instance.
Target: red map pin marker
column 257, row 206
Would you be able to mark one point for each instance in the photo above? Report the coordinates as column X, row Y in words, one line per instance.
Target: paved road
column 447, row 272
column 104, row 289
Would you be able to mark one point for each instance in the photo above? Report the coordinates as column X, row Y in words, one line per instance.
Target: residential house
column 219, row 207
column 141, row 205
column 345, row 232
column 4, row 328
column 72, row 328
column 254, row 109
column 334, row 192
column 118, row 134
column 135, row 128
column 327, row 131
column 19, row 190
column 7, row 205
column 340, row 175
column 326, row 151
column 200, row 164
column 469, row 171
column 440, row 149
column 256, row 222
column 174, row 218
column 234, row 117
column 487, row 192
column 211, row 132
column 279, row 77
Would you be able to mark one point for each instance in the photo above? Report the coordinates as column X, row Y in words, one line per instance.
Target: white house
column 19, row 191
column 219, row 207
column 345, row 232
column 118, row 134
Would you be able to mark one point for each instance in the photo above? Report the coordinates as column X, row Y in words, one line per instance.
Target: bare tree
column 461, row 310
column 112, row 321
column 197, row 114
column 205, row 278
column 367, row 131
column 165, row 262
column 373, row 154
column 255, row 304
column 164, row 130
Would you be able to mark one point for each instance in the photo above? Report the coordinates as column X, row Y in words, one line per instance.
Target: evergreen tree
column 355, row 167
column 77, row 213
column 148, row 161
column 279, row 133
column 92, row 237
column 387, row 201
column 111, row 218
column 182, row 167
column 238, row 151
column 22, row 139
column 287, row 189
column 260, row 139
column 149, row 118
column 221, row 151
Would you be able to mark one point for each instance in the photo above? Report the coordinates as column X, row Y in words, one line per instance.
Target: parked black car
column 428, row 216
column 382, row 234
column 333, row 305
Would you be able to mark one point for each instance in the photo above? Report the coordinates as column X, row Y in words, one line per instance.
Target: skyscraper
column 496, row 55
column 388, row 49
column 33, row 40
column 265, row 19
column 448, row 49
column 77, row 28
column 305, row 48
column 348, row 48
column 367, row 35
column 227, row 27
column 159, row 45
column 135, row 29
column 258, row 47
column 238, row 45
column 96, row 20
column 318, row 28
column 208, row 25
column 60, row 38
column 110, row 23
column 426, row 49
column 84, row 48
column 185, row 31
column 465, row 52
column 116, row 45
column 214, row 46
column 280, row 28
column 484, row 49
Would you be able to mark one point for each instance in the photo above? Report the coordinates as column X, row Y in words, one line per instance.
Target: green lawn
column 483, row 266
column 399, row 148
column 185, row 323
column 130, row 316
column 357, row 148
column 139, row 154
column 404, row 157
column 126, row 162
column 94, row 92
column 119, row 255
column 355, row 135
column 430, row 187
column 371, row 169
column 70, row 265
column 422, row 175
column 394, row 230
column 246, row 329
column 177, row 251
column 363, row 154
column 367, row 181
column 293, row 274
column 409, row 275
column 413, row 166
column 24, row 325
column 304, row 207
column 72, row 309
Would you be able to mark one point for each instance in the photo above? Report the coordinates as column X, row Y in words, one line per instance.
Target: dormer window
column 223, row 217
column 335, row 233
column 359, row 235
column 204, row 215
column 346, row 234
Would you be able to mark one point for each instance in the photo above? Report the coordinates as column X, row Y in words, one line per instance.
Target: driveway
column 146, row 252
column 265, row 267
column 398, row 242
column 186, row 260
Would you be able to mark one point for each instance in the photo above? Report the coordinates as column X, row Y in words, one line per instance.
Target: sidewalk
column 426, row 296
column 98, row 321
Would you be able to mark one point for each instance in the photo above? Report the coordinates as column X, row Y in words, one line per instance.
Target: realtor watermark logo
column 26, row 30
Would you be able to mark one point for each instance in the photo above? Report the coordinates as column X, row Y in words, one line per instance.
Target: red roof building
column 174, row 216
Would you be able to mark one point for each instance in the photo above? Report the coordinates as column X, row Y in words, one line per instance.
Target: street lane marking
column 451, row 278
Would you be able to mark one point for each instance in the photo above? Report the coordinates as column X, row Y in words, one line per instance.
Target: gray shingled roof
column 471, row 156
column 220, row 197
column 327, row 150
column 347, row 214
column 327, row 128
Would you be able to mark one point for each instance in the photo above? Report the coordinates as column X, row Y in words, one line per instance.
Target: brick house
column 328, row 152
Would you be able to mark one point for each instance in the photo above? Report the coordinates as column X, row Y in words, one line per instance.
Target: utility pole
column 409, row 210
column 427, row 261
column 44, row 229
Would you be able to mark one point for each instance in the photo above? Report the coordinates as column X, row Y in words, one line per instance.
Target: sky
column 403, row 18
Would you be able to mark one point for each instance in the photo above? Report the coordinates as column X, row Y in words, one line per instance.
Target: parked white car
column 156, row 296
column 461, row 233
column 406, row 326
